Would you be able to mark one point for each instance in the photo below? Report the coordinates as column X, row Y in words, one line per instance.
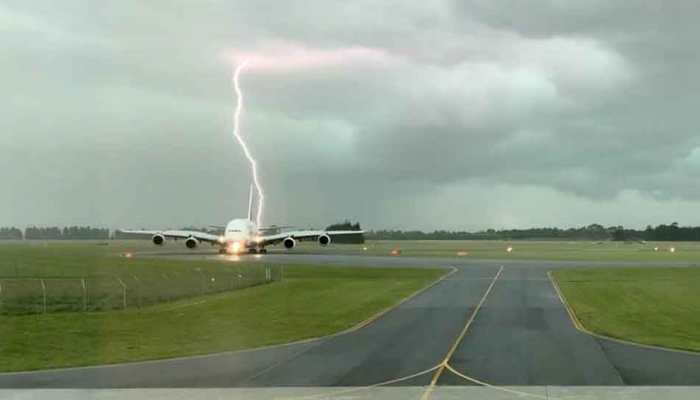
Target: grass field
column 521, row 250
column 468, row 249
column 654, row 306
column 70, row 259
column 89, row 276
column 657, row 306
column 310, row 301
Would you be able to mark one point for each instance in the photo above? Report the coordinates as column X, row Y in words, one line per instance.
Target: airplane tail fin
column 250, row 204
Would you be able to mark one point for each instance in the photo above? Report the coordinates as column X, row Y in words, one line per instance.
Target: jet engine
column 191, row 242
column 289, row 243
column 324, row 240
column 158, row 239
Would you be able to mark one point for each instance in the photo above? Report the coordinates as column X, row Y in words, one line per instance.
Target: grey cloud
column 119, row 114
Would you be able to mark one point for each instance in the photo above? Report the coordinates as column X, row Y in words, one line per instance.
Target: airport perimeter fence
column 19, row 296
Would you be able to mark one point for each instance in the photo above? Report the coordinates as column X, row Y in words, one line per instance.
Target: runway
column 490, row 322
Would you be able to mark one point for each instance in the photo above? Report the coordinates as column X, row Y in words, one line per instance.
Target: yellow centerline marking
column 444, row 364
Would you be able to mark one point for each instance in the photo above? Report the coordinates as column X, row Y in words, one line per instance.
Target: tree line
column 54, row 233
column 346, row 226
column 672, row 232
column 11, row 233
column 663, row 232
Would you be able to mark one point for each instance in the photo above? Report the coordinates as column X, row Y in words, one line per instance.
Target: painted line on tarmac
column 444, row 364
column 579, row 326
column 518, row 393
column 372, row 386
column 358, row 326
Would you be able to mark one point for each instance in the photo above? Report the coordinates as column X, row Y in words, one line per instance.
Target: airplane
column 243, row 235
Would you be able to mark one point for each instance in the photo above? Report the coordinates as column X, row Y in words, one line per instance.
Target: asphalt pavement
column 495, row 322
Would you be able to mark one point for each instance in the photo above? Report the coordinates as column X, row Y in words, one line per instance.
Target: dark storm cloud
column 119, row 114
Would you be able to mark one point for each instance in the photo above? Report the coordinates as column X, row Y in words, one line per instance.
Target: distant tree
column 346, row 226
column 619, row 234
column 10, row 233
column 43, row 233
column 119, row 235
column 672, row 232
column 66, row 233
column 84, row 233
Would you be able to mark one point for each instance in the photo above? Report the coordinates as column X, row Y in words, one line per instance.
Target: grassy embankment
column 656, row 306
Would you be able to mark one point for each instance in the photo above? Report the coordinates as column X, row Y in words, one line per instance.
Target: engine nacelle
column 158, row 239
column 324, row 240
column 191, row 243
column 289, row 243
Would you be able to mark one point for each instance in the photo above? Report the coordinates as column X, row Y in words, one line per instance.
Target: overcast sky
column 420, row 114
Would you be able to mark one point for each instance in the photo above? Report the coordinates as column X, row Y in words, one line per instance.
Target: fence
column 36, row 295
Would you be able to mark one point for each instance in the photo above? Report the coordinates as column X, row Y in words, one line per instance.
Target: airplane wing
column 303, row 235
column 175, row 234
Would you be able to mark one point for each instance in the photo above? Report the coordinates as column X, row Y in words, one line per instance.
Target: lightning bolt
column 244, row 146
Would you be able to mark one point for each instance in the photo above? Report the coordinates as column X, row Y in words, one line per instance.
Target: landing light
column 234, row 248
column 128, row 255
column 462, row 253
column 396, row 252
column 672, row 249
column 509, row 249
column 220, row 239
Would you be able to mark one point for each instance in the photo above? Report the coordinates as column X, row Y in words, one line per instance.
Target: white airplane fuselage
column 239, row 235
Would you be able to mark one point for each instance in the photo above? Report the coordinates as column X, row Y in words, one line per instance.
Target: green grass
column 475, row 249
column 656, row 306
column 310, row 301
column 70, row 259
column 79, row 276
column 522, row 250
